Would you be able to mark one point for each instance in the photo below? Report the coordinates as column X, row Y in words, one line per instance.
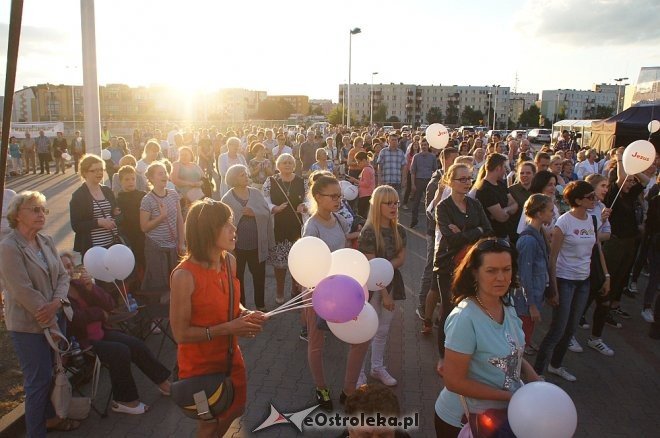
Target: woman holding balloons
column 383, row 237
column 93, row 208
column 329, row 226
column 483, row 364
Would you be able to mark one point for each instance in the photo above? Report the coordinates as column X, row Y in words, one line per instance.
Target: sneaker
column 420, row 313
column 633, row 287
column 618, row 311
column 583, row 323
column 362, row 380
column 611, row 321
column 303, row 334
column 562, row 372
column 600, row 346
column 575, row 346
column 647, row 314
column 385, row 377
column 323, row 399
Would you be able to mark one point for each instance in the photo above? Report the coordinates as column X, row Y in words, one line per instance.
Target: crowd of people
column 511, row 227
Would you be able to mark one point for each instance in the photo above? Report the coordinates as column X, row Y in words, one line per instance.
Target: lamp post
column 73, row 99
column 495, row 106
column 371, row 112
column 618, row 97
column 488, row 118
column 350, row 39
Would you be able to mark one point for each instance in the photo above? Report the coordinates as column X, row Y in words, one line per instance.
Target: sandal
column 65, row 425
column 140, row 409
column 165, row 393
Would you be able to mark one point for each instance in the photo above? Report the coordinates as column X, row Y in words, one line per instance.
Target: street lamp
column 618, row 98
column 495, row 107
column 488, row 118
column 350, row 39
column 371, row 118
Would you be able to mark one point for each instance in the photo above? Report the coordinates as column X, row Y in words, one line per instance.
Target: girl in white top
column 544, row 182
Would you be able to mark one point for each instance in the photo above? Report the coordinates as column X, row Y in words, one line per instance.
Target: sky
column 301, row 47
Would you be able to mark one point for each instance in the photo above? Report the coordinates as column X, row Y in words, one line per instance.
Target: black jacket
column 81, row 213
column 451, row 243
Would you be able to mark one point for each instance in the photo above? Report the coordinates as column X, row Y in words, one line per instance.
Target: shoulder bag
column 205, row 397
column 288, row 201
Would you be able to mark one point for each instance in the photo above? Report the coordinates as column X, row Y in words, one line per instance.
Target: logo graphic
column 277, row 417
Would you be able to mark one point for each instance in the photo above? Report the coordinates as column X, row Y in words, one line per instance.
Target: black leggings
column 258, row 271
column 445, row 430
column 444, row 286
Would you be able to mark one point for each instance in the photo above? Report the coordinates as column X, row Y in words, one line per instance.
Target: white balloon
column 638, row 156
column 358, row 330
column 350, row 192
column 542, row 410
column 437, row 135
column 119, row 261
column 94, row 261
column 351, row 262
column 66, row 156
column 105, row 154
column 309, row 261
column 380, row 274
column 654, row 126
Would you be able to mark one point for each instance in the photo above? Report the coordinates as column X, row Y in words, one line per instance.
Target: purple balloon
column 338, row 298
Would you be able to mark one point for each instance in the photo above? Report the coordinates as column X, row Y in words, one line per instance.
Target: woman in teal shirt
column 484, row 338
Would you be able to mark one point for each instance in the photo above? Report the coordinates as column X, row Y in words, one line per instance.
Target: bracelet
column 607, row 275
column 208, row 334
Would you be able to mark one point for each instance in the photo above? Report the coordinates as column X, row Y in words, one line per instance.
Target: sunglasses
column 591, row 196
column 37, row 209
column 493, row 242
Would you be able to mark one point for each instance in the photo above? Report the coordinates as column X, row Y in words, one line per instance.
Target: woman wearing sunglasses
column 331, row 227
column 573, row 241
column 483, row 364
column 462, row 221
column 35, row 291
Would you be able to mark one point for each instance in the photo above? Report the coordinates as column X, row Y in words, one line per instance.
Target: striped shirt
column 165, row 234
column 101, row 236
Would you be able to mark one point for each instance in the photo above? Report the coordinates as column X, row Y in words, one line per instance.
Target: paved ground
column 615, row 397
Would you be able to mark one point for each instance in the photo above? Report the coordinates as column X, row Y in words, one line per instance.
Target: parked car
column 539, row 135
column 519, row 134
column 388, row 128
column 463, row 129
column 490, row 133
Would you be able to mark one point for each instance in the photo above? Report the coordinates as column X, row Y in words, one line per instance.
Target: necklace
column 484, row 307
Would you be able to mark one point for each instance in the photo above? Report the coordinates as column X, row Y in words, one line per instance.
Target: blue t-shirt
column 496, row 351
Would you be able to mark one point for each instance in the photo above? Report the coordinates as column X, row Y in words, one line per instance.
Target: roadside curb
column 11, row 420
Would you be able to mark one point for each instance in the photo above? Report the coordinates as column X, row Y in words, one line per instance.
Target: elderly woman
column 228, row 159
column 140, row 180
column 93, row 208
column 91, row 306
column 36, row 286
column 285, row 194
column 254, row 230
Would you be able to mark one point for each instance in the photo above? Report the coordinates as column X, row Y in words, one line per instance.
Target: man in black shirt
column 495, row 197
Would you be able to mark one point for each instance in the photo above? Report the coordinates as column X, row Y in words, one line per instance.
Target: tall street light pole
column 618, row 97
column 371, row 112
column 350, row 39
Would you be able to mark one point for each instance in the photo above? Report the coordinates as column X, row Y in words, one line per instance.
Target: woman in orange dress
column 199, row 307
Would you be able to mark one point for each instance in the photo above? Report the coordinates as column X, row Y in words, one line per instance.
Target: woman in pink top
column 366, row 183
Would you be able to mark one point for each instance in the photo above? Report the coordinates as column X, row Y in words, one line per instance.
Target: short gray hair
column 232, row 174
column 285, row 157
column 17, row 201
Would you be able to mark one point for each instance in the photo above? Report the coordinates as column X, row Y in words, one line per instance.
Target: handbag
column 597, row 277
column 62, row 392
column 207, row 185
column 207, row 396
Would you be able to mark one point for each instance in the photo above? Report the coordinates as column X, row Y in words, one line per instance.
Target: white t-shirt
column 285, row 150
column 574, row 259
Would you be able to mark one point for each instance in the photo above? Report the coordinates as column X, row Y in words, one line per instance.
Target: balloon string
column 121, row 293
column 296, row 299
column 619, row 192
column 292, row 305
column 277, row 312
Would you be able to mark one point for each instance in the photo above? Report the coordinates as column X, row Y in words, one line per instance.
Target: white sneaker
column 562, row 372
column 575, row 346
column 600, row 346
column 362, row 380
column 385, row 377
column 647, row 314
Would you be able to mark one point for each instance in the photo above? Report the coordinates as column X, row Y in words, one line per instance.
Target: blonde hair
column 381, row 195
column 451, row 172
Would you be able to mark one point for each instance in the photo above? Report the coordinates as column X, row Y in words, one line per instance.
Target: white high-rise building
column 576, row 104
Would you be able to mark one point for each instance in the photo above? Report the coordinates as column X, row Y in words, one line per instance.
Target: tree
column 380, row 113
column 530, row 117
column 274, row 110
column 471, row 117
column 338, row 117
column 434, row 115
column 393, row 119
column 562, row 113
column 315, row 110
column 603, row 112
column 452, row 113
